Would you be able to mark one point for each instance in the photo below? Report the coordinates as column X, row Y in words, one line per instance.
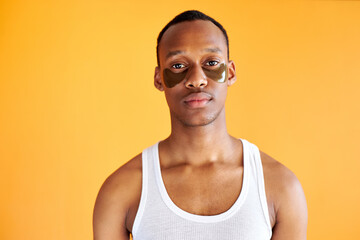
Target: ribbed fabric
column 158, row 218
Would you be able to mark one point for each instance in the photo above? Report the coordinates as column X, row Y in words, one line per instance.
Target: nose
column 196, row 78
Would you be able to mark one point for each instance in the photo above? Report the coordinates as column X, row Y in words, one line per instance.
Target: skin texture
column 199, row 157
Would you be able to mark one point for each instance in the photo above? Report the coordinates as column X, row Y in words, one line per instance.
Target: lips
column 197, row 100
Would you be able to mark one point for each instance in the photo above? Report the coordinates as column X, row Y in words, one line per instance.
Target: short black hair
column 190, row 15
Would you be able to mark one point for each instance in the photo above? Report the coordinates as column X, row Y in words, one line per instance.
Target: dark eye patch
column 171, row 78
column 219, row 75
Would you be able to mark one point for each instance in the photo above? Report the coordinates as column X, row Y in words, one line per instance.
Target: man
column 200, row 182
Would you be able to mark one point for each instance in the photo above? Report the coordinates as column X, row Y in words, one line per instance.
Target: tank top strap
column 148, row 181
column 258, row 174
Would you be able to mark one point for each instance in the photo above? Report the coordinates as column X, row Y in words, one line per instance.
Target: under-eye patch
column 171, row 78
column 219, row 75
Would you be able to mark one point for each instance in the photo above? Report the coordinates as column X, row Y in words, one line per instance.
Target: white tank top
column 158, row 218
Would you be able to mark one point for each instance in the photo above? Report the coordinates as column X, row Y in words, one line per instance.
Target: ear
column 157, row 79
column 231, row 73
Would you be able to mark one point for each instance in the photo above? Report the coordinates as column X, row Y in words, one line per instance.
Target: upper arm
column 114, row 207
column 110, row 212
column 291, row 210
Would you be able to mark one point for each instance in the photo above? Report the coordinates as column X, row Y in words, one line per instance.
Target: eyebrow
column 173, row 53
column 214, row 50
column 176, row 52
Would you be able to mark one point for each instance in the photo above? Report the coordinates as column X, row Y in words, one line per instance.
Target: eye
column 178, row 66
column 212, row 63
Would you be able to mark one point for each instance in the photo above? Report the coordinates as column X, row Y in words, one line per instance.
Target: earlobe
column 157, row 79
column 231, row 73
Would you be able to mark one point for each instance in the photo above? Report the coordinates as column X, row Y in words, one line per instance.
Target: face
column 194, row 72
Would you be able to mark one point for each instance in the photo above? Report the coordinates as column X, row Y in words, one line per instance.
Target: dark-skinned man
column 200, row 182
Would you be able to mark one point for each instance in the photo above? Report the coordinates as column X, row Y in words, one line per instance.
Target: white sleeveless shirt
column 158, row 218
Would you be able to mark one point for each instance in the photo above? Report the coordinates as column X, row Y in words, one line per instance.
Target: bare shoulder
column 122, row 182
column 116, row 196
column 279, row 176
column 286, row 200
column 123, row 176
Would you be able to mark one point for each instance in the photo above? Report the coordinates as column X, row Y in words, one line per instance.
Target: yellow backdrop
column 77, row 101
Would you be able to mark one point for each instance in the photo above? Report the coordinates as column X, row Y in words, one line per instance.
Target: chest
column 205, row 190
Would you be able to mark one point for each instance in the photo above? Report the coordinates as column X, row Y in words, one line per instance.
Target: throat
column 173, row 152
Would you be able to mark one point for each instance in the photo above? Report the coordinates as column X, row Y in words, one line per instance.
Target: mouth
column 197, row 100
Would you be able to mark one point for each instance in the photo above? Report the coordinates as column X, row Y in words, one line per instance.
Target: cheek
column 171, row 98
column 221, row 93
column 218, row 75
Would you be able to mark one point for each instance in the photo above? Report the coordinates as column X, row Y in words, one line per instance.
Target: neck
column 198, row 145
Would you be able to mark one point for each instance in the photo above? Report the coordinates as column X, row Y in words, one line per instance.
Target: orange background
column 77, row 101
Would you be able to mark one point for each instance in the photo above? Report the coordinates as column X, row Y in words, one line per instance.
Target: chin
column 197, row 124
column 198, row 121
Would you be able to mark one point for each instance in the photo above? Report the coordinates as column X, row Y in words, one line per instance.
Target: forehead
column 192, row 36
